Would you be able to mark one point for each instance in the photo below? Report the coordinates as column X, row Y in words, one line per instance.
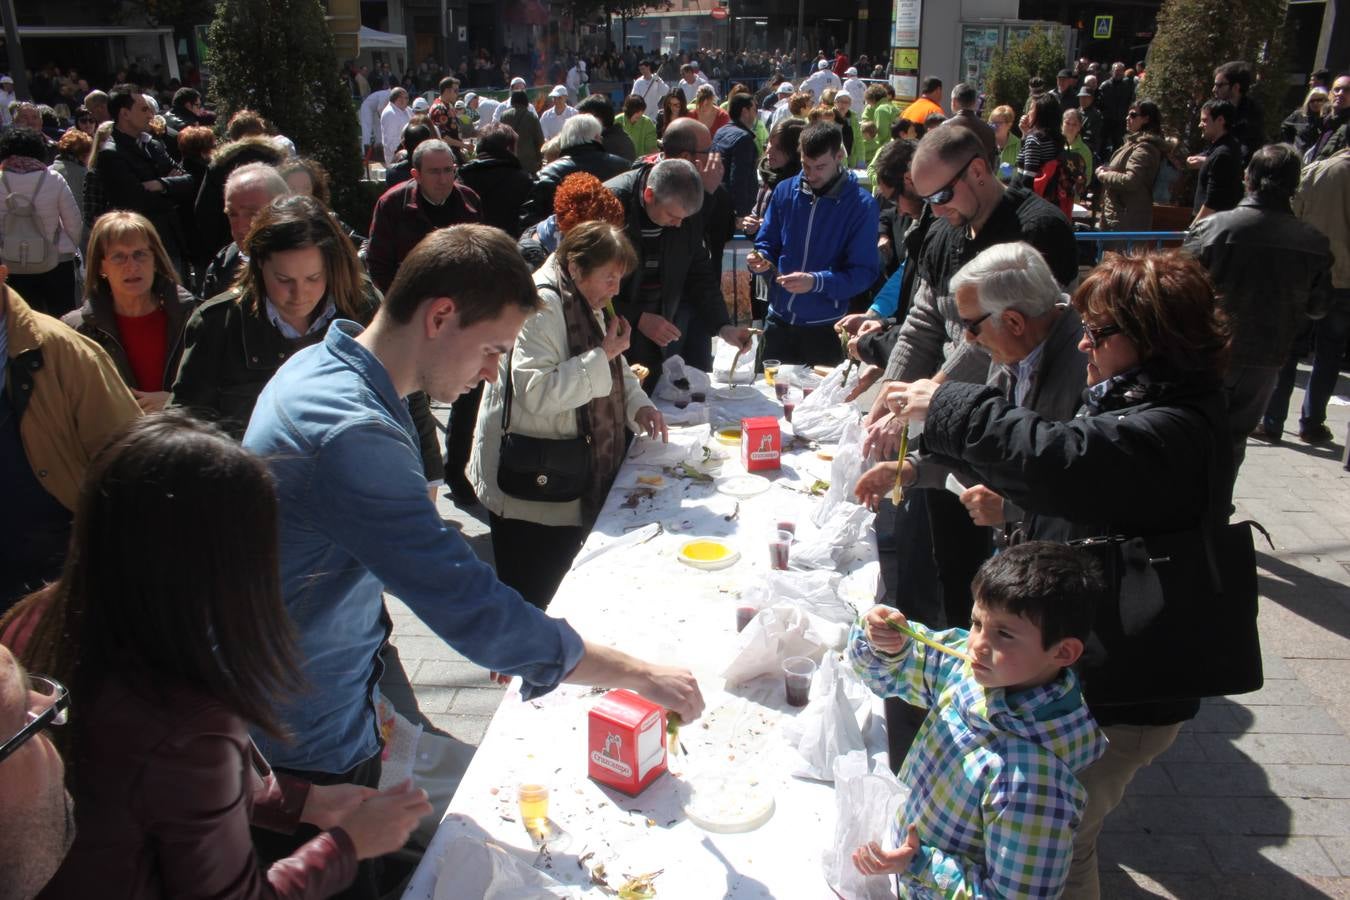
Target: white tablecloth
column 642, row 599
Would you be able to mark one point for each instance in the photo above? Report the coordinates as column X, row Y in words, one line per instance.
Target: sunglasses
column 974, row 325
column 48, row 704
column 1095, row 336
column 944, row 194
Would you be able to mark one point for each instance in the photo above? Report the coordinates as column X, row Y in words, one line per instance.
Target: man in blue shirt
column 355, row 518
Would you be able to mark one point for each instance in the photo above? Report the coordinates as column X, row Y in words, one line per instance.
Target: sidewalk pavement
column 1253, row 800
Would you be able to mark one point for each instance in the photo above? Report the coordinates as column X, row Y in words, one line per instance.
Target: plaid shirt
column 991, row 776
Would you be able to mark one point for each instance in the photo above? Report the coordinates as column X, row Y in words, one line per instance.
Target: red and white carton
column 627, row 746
column 761, row 443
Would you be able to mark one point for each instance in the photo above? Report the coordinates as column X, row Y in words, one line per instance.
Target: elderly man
column 581, row 151
column 247, row 190
column 36, row 809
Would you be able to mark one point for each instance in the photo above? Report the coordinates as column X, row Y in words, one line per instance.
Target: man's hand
column 1195, row 161
column 882, row 439
column 885, row 247
column 617, row 336
column 756, row 263
column 850, row 323
column 882, row 637
column 658, row 329
column 675, row 689
column 872, row 860
column 749, row 224
column 866, row 378
column 328, row 804
column 650, row 420
column 150, row 401
column 712, row 171
column 985, row 506
column 797, row 282
column 737, row 336
column 911, row 401
column 877, row 483
column 381, row 824
column 154, row 185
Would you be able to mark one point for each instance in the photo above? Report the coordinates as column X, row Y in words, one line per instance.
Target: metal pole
column 17, row 70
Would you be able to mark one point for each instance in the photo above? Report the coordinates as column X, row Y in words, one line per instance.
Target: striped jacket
column 992, row 781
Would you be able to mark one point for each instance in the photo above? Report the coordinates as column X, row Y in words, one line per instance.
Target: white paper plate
column 728, row 804
column 743, row 486
column 730, row 559
column 735, row 392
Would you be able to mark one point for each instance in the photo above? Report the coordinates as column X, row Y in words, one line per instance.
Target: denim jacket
column 354, row 521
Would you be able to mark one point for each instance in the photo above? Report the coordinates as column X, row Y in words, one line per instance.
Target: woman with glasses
column 134, row 307
column 1127, row 180
column 1148, row 454
column 171, row 658
column 673, row 106
column 1303, row 126
column 1008, row 143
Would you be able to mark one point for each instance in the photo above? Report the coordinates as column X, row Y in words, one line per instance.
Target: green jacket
column 642, row 133
column 883, row 114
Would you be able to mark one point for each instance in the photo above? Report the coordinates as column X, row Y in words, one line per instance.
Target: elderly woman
column 72, row 160
column 566, row 378
column 1006, row 139
column 43, row 271
column 134, row 307
column 1127, row 180
column 1079, row 164
column 580, row 198
column 302, row 273
column 580, row 150
column 707, row 111
column 1149, row 454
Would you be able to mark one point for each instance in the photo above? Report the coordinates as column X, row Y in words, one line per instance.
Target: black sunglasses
column 1095, row 336
column 945, row 194
column 51, row 710
column 973, row 325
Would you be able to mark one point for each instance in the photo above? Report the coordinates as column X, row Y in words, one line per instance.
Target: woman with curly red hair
column 580, row 198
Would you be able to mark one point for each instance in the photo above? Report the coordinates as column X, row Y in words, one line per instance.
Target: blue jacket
column 833, row 236
column 355, row 520
column 741, row 158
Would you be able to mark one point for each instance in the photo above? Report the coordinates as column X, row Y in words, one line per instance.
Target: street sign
column 718, row 13
column 1101, row 27
column 907, row 58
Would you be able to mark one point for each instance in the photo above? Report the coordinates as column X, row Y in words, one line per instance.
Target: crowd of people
column 202, row 364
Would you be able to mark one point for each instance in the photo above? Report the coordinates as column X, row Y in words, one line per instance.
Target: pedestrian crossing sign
column 1101, row 27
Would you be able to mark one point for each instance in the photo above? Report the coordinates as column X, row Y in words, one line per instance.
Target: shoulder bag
column 543, row 470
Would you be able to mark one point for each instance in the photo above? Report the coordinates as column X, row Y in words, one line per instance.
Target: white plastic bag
column 477, row 870
column 745, row 362
column 866, row 803
column 674, row 369
column 823, row 415
column 772, row 636
column 832, row 724
column 845, row 469
column 833, row 541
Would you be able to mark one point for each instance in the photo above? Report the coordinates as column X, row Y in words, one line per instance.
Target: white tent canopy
column 370, row 39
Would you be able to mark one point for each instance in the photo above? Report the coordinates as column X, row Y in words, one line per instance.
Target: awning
column 89, row 31
column 369, row 39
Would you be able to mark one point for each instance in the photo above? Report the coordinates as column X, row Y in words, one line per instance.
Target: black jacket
column 1272, row 271
column 220, row 274
column 397, row 173
column 740, row 156
column 213, row 229
column 503, row 187
column 96, row 320
column 875, row 347
column 1153, row 466
column 616, row 141
column 589, row 157
column 124, row 165
column 1220, row 183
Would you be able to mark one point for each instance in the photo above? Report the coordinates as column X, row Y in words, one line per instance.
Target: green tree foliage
column 1040, row 52
column 1193, row 37
column 276, row 57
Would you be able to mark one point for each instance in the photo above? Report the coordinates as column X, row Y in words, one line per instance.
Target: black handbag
column 1178, row 617
column 544, row 470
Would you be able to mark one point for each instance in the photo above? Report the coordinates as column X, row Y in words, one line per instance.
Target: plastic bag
column 833, row 541
column 772, row 636
column 726, row 353
column 478, row 870
column 845, row 469
column 832, row 724
column 823, row 415
column 867, row 804
column 674, row 369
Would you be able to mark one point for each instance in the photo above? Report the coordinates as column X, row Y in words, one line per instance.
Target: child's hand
column 881, row 636
column 872, row 860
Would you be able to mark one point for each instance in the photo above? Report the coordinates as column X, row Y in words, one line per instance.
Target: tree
column 582, row 10
column 1040, row 52
column 276, row 57
column 1193, row 37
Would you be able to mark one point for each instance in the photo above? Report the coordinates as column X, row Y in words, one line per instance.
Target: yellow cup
column 771, row 371
column 533, row 800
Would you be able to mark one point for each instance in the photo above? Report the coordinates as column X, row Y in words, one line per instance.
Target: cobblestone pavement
column 1253, row 801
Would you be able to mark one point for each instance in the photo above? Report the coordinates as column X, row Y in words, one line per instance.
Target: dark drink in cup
column 780, row 544
column 789, row 527
column 780, row 388
column 788, row 406
column 743, row 616
column 797, row 672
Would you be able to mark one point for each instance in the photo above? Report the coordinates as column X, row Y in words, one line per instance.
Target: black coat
column 503, row 187
column 213, row 229
column 590, row 157
column 1219, row 185
column 1136, row 468
column 124, row 165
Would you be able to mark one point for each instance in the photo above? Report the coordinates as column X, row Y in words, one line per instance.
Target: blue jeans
column 1327, row 338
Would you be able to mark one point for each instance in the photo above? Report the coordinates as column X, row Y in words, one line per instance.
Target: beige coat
column 550, row 387
column 1128, row 201
column 1323, row 201
column 76, row 400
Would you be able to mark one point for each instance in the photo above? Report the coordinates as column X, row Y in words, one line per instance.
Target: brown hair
column 318, row 176
column 75, row 143
column 800, row 102
column 293, row 222
column 584, row 198
column 591, row 245
column 1164, row 303
column 476, row 265
column 196, row 140
column 245, row 123
column 120, row 226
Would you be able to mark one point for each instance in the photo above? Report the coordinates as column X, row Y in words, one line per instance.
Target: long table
column 635, row 594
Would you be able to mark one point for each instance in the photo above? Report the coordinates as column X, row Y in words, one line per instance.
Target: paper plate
column 742, row 486
column 735, row 392
column 728, row 804
column 708, row 553
column 729, row 435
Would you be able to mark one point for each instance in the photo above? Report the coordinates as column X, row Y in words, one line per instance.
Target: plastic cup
column 789, row 526
column 779, row 548
column 797, row 672
column 533, row 800
column 790, row 404
column 744, row 613
column 782, row 383
column 771, row 370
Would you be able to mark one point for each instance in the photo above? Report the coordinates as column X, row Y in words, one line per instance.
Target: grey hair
column 1010, row 276
column 259, row 175
column 582, row 128
column 1075, row 112
column 677, row 181
column 431, row 146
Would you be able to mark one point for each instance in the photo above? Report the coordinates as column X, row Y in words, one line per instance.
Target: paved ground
column 1253, row 801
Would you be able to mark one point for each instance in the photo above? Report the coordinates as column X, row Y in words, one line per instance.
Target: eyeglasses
column 121, row 259
column 48, row 704
column 1095, row 336
column 973, row 325
column 945, row 194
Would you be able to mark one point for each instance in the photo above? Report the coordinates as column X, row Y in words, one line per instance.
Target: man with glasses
column 1232, row 82
column 953, row 170
column 1334, row 128
column 37, row 824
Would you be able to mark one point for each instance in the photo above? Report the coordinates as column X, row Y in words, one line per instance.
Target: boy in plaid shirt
column 993, row 797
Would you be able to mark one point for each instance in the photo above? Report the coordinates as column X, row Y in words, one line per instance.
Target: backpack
column 1055, row 184
column 23, row 246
